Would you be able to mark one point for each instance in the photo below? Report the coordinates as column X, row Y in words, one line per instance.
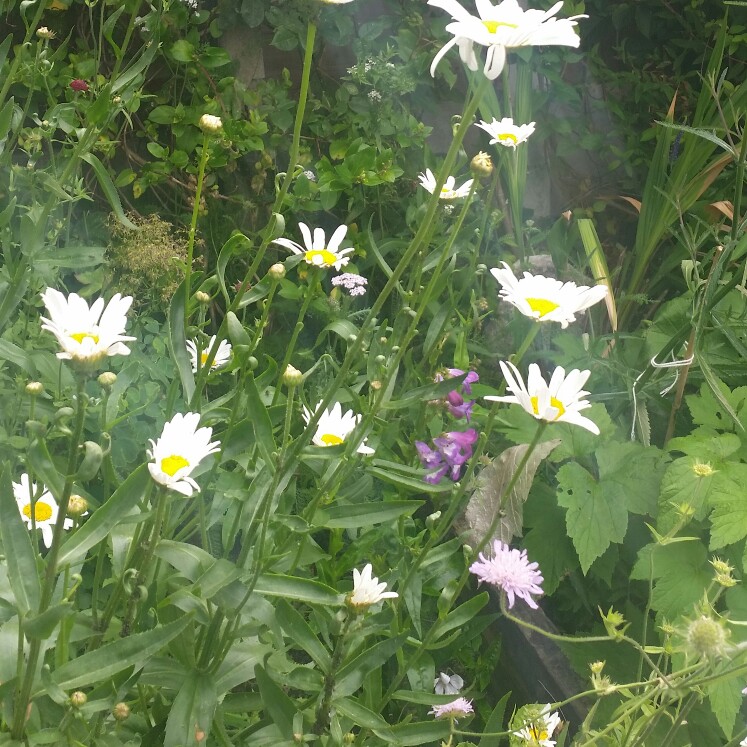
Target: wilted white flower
column 446, row 684
column 367, row 590
column 546, row 299
column 428, row 181
column 538, row 732
column 457, row 709
column 44, row 511
column 317, row 251
column 374, row 96
column 310, row 175
column 178, row 451
column 510, row 570
column 502, row 27
column 354, row 284
column 44, row 33
column 560, row 401
column 505, row 132
column 222, row 355
column 334, row 427
column 86, row 335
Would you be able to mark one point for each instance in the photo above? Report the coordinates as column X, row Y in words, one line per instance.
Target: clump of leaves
column 148, row 263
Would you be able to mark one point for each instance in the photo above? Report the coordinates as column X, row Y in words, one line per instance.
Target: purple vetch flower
column 452, row 450
column 458, row 407
column 452, row 373
column 354, row 284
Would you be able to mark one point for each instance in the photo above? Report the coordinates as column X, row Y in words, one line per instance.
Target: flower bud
column 34, row 388
column 107, row 379
column 481, row 165
column 78, row 699
column 77, row 505
column 79, row 85
column 121, row 711
column 292, row 376
column 202, row 297
column 703, row 469
column 432, row 519
column 44, row 33
column 706, row 638
column 277, row 271
column 210, row 124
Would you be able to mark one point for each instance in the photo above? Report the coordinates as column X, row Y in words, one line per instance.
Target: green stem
column 192, row 232
column 321, row 721
column 736, row 220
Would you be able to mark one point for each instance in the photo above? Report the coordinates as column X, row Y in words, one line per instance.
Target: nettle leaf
column 729, row 515
column 726, row 698
column 680, row 571
column 490, row 486
column 595, row 517
column 707, row 410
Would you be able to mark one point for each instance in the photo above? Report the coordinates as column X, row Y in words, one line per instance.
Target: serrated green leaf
column 729, row 515
column 725, row 697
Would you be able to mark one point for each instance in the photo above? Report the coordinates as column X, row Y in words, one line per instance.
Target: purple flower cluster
column 455, row 402
column 354, row 284
column 452, row 450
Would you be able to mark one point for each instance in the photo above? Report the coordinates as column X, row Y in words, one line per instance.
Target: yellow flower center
column 703, row 470
column 330, row 439
column 445, row 190
column 542, row 306
column 492, row 26
column 538, row 733
column 172, row 464
column 328, row 258
column 556, row 403
column 42, row 511
column 203, row 357
column 80, row 336
column 508, row 136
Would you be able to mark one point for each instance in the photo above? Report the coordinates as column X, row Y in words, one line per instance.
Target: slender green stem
column 739, row 189
column 321, row 720
column 193, row 230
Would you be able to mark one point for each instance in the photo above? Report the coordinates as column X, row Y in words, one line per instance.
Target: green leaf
column 16, row 356
column 19, row 552
column 461, row 615
column 280, row 707
column 594, row 519
column 362, row 716
column 300, row 632
column 193, row 709
column 351, row 675
column 420, row 732
column 726, row 698
column 412, row 484
column 365, row 514
column 182, row 51
column 177, row 342
column 300, row 589
column 137, row 67
column 261, row 423
column 495, row 723
column 106, row 517
column 42, row 626
column 99, row 665
column 729, row 515
column 109, row 190
column 235, row 244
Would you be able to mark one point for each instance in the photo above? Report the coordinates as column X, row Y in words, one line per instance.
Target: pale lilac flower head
column 457, row 709
column 510, row 570
column 354, row 284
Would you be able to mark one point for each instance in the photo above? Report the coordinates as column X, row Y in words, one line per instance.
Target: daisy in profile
column 538, row 732
column 546, row 299
column 41, row 512
column 428, row 181
column 560, row 401
column 500, row 28
column 86, row 335
column 506, row 133
column 367, row 590
column 334, row 427
column 457, row 709
column 510, row 570
column 178, row 451
column 222, row 355
column 318, row 251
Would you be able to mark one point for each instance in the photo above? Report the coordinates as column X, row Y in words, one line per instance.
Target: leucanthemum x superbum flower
column 178, row 451
column 457, row 709
column 538, row 733
column 44, row 510
column 546, row 299
column 428, row 181
column 502, row 27
column 86, row 335
column 334, row 427
column 318, row 251
column 446, row 684
column 367, row 590
column 222, row 355
column 560, row 401
column 510, row 570
column 506, row 133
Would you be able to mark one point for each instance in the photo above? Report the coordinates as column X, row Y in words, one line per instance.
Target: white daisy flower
column 317, row 251
column 538, row 733
column 546, row 299
column 334, row 427
column 502, row 27
column 428, row 181
column 506, row 133
column 560, row 401
column 367, row 590
column 44, row 509
column 446, row 684
column 181, row 447
column 86, row 335
column 222, row 356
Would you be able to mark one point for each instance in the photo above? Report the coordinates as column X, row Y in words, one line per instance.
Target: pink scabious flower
column 79, row 85
column 458, row 708
column 510, row 570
